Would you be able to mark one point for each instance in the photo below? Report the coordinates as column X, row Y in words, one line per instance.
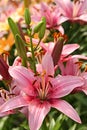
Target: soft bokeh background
column 55, row 120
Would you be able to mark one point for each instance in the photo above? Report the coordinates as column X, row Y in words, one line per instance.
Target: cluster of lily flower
column 44, row 70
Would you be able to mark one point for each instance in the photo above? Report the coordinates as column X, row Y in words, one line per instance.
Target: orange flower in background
column 15, row 10
column 6, row 43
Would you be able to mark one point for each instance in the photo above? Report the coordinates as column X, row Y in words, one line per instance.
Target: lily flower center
column 42, row 87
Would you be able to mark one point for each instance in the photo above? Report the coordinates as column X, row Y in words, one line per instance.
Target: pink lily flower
column 4, row 96
column 42, row 91
column 73, row 10
column 5, row 113
column 52, row 15
column 66, row 51
column 7, row 8
column 73, row 68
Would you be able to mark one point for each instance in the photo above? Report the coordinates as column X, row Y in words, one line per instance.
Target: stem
column 27, row 3
column 32, row 51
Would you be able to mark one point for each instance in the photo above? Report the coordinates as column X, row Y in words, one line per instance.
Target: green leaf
column 52, row 123
column 27, row 16
column 13, row 26
column 44, row 126
column 58, row 122
column 21, row 49
column 73, row 127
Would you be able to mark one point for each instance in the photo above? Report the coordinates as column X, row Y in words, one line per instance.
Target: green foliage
column 38, row 27
column 21, row 49
column 43, row 28
column 13, row 122
column 13, row 27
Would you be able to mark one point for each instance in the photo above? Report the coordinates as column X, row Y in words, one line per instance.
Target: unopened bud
column 27, row 16
column 43, row 28
column 56, row 53
column 4, row 69
column 38, row 27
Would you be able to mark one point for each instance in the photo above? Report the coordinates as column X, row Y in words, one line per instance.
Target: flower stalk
column 32, row 50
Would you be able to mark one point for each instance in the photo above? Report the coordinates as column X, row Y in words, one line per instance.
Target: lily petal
column 47, row 64
column 23, row 78
column 6, row 113
column 37, row 113
column 80, row 57
column 63, row 85
column 67, row 109
column 84, row 88
column 68, row 49
column 13, row 103
column 83, row 7
column 65, row 7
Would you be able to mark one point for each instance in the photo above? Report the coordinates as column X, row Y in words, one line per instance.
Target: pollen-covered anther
column 3, row 94
column 50, row 76
column 75, row 1
column 43, row 73
column 79, row 63
column 85, row 68
column 58, row 35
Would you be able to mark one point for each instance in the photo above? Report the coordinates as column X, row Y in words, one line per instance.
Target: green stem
column 32, row 51
column 27, row 3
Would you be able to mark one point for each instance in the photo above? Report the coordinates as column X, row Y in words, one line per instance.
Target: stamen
column 85, row 68
column 13, row 87
column 34, row 82
column 40, row 85
column 4, row 94
column 43, row 73
column 50, row 84
column 75, row 1
column 79, row 63
column 57, row 35
column 50, row 76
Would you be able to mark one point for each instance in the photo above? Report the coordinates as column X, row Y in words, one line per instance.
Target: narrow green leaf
column 73, row 127
column 13, row 27
column 21, row 49
column 58, row 122
column 52, row 123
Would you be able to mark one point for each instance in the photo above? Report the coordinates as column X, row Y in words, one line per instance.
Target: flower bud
column 27, row 16
column 56, row 53
column 43, row 28
column 38, row 27
column 4, row 69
